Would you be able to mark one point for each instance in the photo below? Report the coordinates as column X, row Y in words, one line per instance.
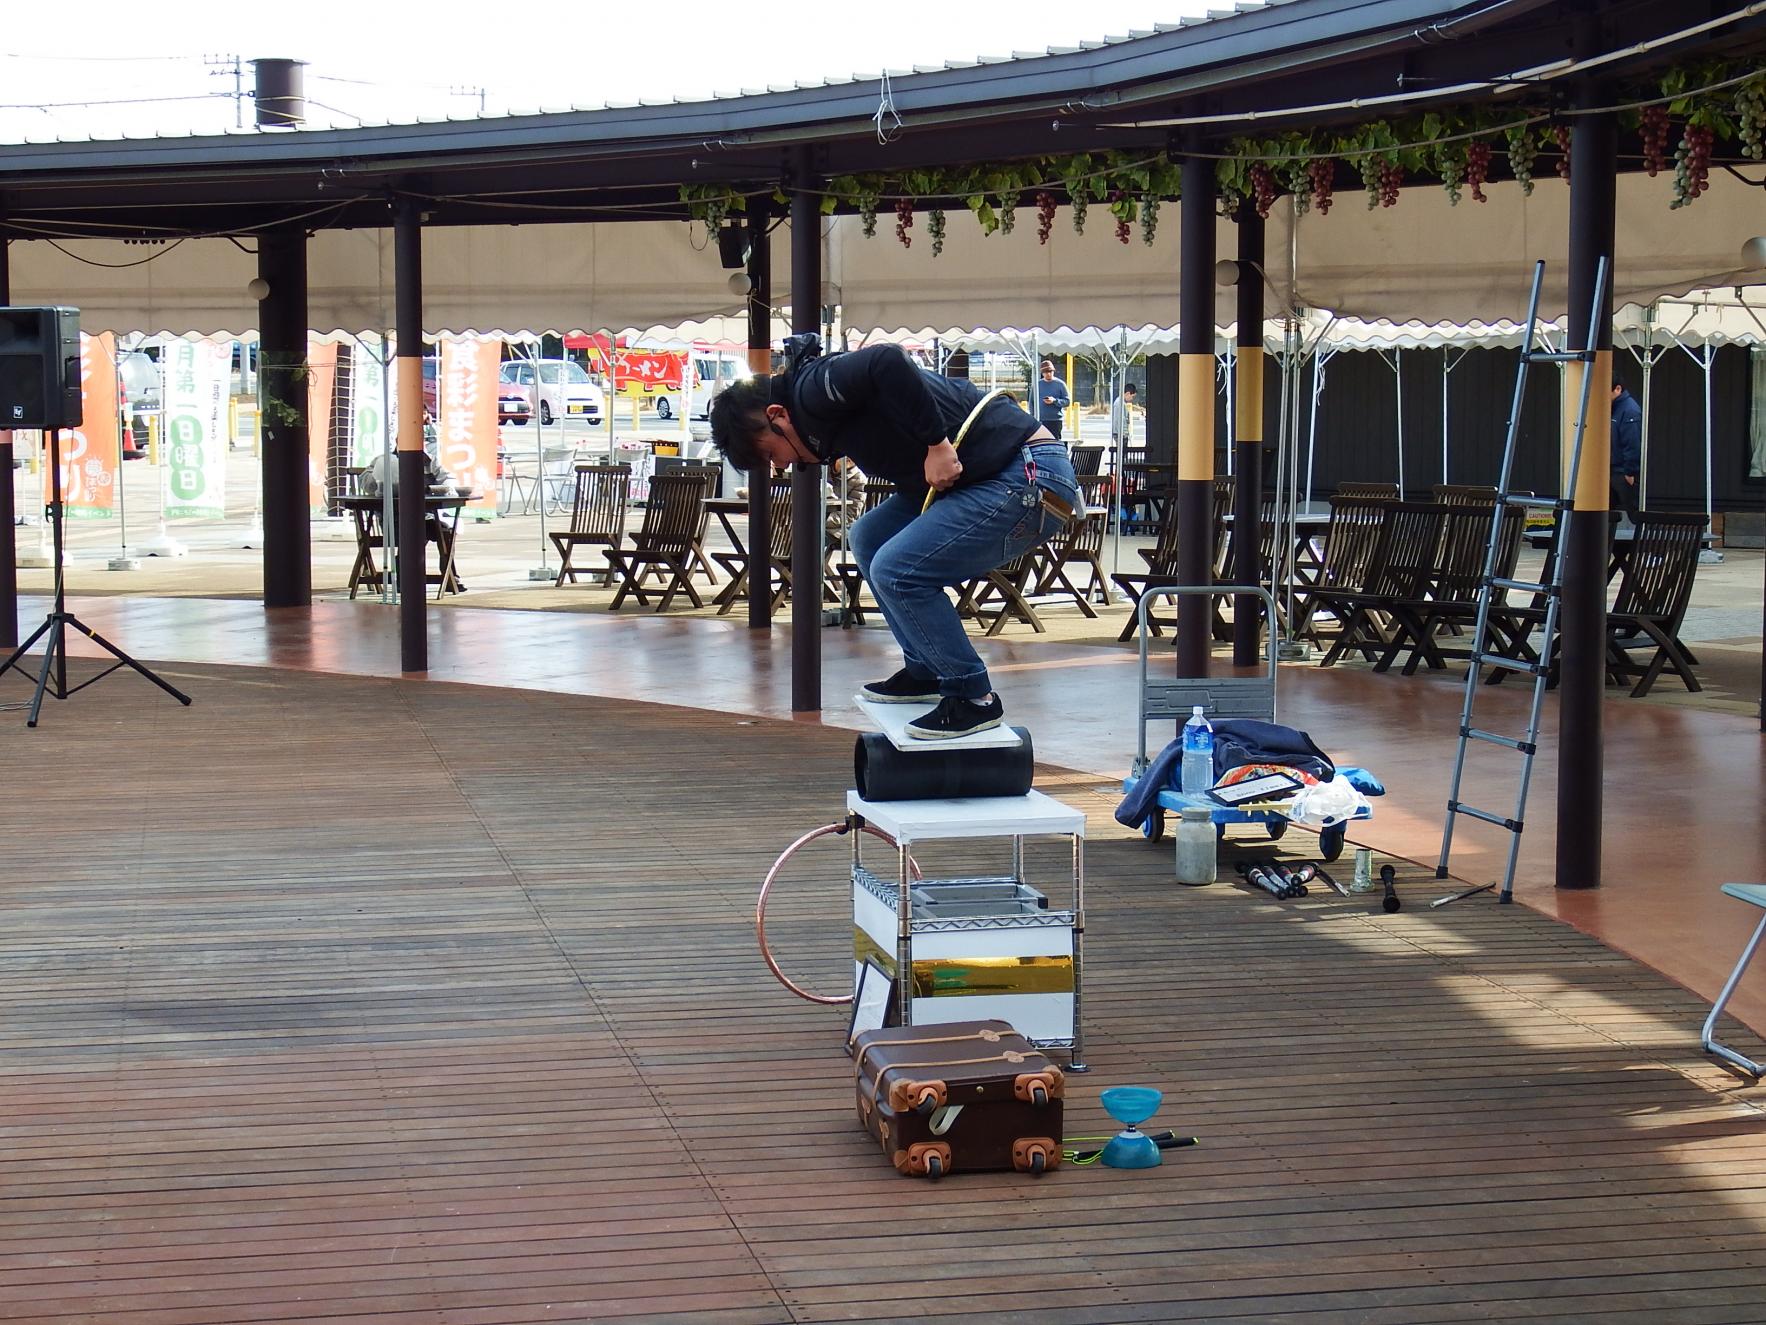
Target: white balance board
column 893, row 719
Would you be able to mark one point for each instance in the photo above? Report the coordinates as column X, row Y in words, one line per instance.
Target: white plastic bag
column 1326, row 804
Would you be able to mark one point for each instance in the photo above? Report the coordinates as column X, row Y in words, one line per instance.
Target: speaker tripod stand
column 55, row 625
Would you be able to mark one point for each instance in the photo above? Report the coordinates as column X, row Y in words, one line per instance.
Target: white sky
column 171, row 66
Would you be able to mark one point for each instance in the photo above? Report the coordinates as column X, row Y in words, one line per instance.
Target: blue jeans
column 909, row 558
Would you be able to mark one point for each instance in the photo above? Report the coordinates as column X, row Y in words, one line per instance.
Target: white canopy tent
column 1422, row 260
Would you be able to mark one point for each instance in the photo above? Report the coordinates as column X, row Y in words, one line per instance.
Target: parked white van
column 712, row 371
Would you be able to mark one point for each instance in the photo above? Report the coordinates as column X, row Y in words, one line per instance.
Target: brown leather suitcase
column 960, row 1097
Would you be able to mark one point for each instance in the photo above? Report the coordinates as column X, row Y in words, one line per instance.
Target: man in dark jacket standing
column 1051, row 400
column 978, row 484
column 1627, row 451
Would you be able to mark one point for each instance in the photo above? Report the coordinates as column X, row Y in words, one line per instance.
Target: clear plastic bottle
column 1197, row 846
column 1198, row 754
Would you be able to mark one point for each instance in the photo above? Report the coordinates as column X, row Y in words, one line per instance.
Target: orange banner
column 467, row 429
column 321, row 378
column 90, row 454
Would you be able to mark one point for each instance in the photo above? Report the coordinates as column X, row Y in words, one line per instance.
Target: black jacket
column 1627, row 453
column 882, row 410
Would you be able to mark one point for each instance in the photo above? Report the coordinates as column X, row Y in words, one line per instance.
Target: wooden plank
column 433, row 1003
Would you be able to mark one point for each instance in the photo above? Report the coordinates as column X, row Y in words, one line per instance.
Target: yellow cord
column 963, row 432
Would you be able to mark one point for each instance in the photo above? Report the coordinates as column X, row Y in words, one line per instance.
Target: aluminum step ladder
column 1490, row 584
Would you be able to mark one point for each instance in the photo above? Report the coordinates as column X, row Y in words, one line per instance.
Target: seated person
column 383, row 474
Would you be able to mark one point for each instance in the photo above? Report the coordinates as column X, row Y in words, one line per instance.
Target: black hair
column 738, row 415
column 1128, row 387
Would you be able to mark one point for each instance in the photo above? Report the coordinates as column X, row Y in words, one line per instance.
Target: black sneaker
column 902, row 688
column 956, row 717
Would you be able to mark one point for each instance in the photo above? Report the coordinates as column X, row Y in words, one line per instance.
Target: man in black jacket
column 978, row 483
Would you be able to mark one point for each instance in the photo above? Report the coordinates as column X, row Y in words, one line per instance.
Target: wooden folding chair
column 778, row 555
column 674, row 525
column 1655, row 587
column 1371, row 491
column 1081, row 543
column 1349, row 547
column 1452, row 599
column 845, row 569
column 1001, row 596
column 1464, row 494
column 1401, row 570
column 597, row 516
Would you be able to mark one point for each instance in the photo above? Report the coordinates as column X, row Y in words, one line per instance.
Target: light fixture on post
column 1226, row 271
column 740, row 284
column 258, row 288
column 1753, row 253
column 732, row 245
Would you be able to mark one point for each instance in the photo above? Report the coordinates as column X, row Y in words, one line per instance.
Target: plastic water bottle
column 1198, row 754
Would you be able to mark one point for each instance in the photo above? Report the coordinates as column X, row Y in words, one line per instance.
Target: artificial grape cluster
column 867, row 211
column 1262, row 187
column 1149, row 217
column 1652, row 131
column 1008, row 213
column 1079, row 203
column 1478, row 168
column 1750, row 118
column 1692, row 164
column 904, row 221
column 935, row 228
column 1521, row 152
column 1298, row 183
column 1391, row 177
column 1369, row 166
column 1320, row 172
column 1451, row 162
column 1561, row 132
column 1124, row 227
column 1045, row 216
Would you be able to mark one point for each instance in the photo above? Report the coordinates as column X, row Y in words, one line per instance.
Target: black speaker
column 732, row 246
column 40, row 368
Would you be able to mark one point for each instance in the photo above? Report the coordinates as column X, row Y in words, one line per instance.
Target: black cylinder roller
column 883, row 773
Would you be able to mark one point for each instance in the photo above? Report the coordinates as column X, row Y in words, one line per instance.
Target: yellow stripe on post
column 1195, row 416
column 410, row 383
column 1248, row 393
column 1593, row 481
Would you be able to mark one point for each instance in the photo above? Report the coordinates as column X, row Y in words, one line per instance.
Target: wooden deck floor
column 342, row 999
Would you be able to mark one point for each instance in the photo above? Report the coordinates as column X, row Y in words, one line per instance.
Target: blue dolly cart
column 1173, row 698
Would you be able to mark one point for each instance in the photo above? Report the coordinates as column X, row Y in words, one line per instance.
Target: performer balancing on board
column 978, row 483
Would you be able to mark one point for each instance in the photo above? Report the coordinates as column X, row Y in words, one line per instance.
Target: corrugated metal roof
column 122, row 134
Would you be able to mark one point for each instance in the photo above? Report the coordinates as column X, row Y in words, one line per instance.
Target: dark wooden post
column 8, row 539
column 1248, row 437
column 1587, row 531
column 407, row 262
column 760, row 360
column 282, row 357
column 806, row 480
column 1195, row 412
